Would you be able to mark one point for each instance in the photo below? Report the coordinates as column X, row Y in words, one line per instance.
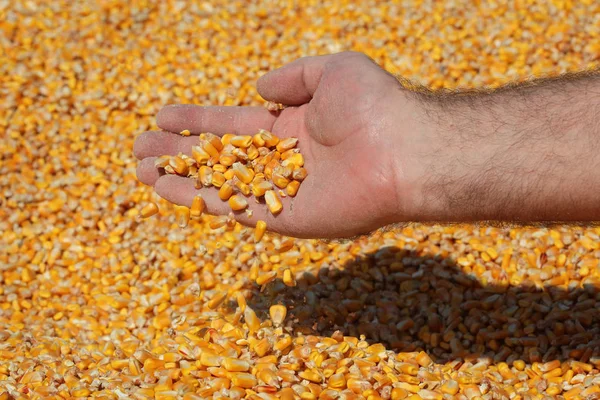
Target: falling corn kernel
column 273, row 202
column 237, row 203
column 182, row 216
column 218, row 222
column 149, row 210
column 226, row 191
column 259, row 231
column 277, row 313
column 197, row 207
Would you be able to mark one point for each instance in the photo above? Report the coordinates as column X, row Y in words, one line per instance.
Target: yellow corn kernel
column 299, row 174
column 519, row 365
column 270, row 168
column 268, row 376
column 277, row 313
column 80, row 392
column 217, row 179
column 259, row 231
column 218, row 222
column 286, row 144
column 227, row 159
column 450, row 387
column 554, row 390
column 213, row 139
column 337, row 381
column 226, row 138
column 240, row 153
column 162, row 161
column 182, row 216
column 258, row 141
column 197, row 208
column 205, row 175
column 209, row 359
column 219, row 168
column 243, row 380
column 270, row 139
column 241, row 141
column 283, row 343
column 179, row 166
column 423, row 359
column 200, row 155
column 266, row 278
column 235, row 365
column 311, row 375
column 358, row 386
column 262, row 347
column 554, row 373
column 279, row 180
column 288, row 153
column 242, row 187
column 398, row 393
column 238, row 203
column 185, row 132
column 252, row 152
column 217, row 300
column 259, row 189
column 241, row 301
column 251, row 319
column 229, row 174
column 226, row 191
column 295, row 161
column 549, row 366
column 292, row 188
column 288, row 278
column 209, row 148
column 149, row 210
column 242, row 172
column 273, row 202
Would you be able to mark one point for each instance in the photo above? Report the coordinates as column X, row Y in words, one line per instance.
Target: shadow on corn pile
column 406, row 302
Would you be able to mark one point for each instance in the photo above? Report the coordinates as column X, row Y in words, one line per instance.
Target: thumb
column 295, row 83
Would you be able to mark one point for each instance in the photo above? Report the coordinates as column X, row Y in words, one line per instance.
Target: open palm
column 339, row 107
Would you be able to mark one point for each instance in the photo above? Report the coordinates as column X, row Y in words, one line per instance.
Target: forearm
column 523, row 153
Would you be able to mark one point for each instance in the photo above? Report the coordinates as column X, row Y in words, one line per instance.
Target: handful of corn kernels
column 263, row 166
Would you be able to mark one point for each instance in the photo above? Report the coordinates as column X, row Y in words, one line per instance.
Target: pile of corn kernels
column 95, row 303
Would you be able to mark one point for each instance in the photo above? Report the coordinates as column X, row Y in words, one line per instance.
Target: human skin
column 379, row 154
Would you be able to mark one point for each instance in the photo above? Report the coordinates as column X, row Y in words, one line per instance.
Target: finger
column 147, row 173
column 215, row 119
column 295, row 83
column 158, row 143
column 181, row 191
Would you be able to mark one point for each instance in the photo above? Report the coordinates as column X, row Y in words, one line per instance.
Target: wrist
column 414, row 147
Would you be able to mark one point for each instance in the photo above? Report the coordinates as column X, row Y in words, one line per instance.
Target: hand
column 342, row 108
